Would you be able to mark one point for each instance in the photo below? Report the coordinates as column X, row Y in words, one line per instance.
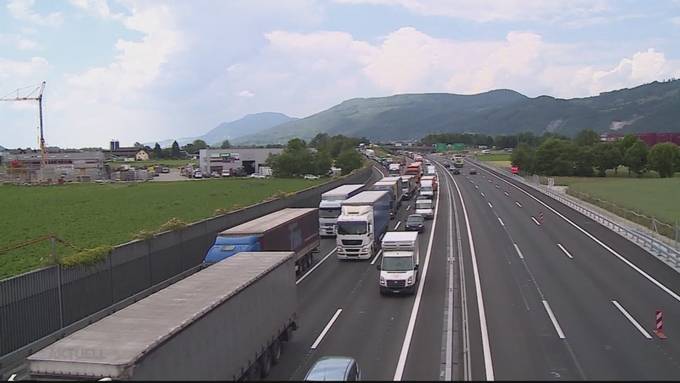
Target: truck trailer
column 290, row 229
column 408, row 186
column 330, row 207
column 225, row 322
column 362, row 224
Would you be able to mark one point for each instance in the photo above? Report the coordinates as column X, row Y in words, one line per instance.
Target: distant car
column 415, row 222
column 225, row 173
column 337, row 368
column 165, row 170
column 486, row 151
column 198, row 174
column 311, row 177
column 447, row 165
column 455, row 171
column 473, row 171
column 256, row 175
column 215, row 174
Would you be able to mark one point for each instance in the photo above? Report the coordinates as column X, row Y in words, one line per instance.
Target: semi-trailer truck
column 290, row 229
column 396, row 179
column 433, row 178
column 408, row 186
column 394, row 169
column 330, row 207
column 225, row 322
column 399, row 264
column 390, row 188
column 362, row 224
column 415, row 169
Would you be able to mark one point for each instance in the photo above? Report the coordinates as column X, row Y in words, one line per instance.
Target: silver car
column 337, row 368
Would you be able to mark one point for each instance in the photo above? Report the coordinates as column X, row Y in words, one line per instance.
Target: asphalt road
column 513, row 285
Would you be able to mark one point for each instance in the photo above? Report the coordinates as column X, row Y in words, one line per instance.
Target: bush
column 86, row 257
column 172, row 224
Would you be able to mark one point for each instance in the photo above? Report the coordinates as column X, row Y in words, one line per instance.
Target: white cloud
column 18, row 42
column 246, row 93
column 23, row 10
column 98, row 8
column 22, row 70
column 676, row 21
column 498, row 10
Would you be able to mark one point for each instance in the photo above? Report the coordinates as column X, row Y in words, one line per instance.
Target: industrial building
column 248, row 160
column 69, row 165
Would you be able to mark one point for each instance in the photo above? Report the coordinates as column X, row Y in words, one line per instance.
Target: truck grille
column 351, row 242
column 393, row 284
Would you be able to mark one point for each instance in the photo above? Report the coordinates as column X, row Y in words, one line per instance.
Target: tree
column 322, row 163
column 175, row 152
column 663, row 158
column 606, row 155
column 225, row 144
column 522, row 156
column 157, row 151
column 200, row 144
column 555, row 157
column 627, row 141
column 348, row 161
column 583, row 164
column 636, row 158
column 587, row 137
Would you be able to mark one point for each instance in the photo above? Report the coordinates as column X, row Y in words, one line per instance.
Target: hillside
column 2, row 148
column 653, row 107
column 249, row 124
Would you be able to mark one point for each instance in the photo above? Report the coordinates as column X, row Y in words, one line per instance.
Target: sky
column 146, row 70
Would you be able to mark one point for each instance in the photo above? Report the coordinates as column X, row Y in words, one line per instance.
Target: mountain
column 249, row 124
column 653, row 107
column 2, row 148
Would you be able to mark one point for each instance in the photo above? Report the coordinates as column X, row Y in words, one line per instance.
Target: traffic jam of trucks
column 206, row 326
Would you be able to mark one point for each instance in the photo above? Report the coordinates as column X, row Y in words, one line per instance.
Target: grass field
column 493, row 157
column 654, row 197
column 90, row 215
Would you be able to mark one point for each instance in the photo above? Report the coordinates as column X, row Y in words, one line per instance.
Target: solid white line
column 632, row 320
column 518, row 251
column 486, row 348
column 376, row 257
column 490, row 205
column 325, row 330
column 518, row 204
column 449, row 313
column 397, row 225
column 554, row 320
column 565, row 251
column 483, row 195
column 501, row 221
column 401, row 363
column 612, row 251
column 535, row 221
column 315, row 266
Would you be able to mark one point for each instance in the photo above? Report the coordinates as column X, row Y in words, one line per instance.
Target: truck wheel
column 265, row 364
column 276, row 351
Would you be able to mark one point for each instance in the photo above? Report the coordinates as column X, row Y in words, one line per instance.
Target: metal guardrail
column 659, row 249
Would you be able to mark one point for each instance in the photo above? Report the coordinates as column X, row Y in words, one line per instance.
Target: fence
column 39, row 303
column 669, row 253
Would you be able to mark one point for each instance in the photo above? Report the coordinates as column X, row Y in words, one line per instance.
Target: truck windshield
column 329, row 213
column 397, row 264
column 426, row 188
column 351, row 227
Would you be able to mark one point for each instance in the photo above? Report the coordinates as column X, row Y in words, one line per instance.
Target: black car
column 455, row 171
column 473, row 171
column 415, row 222
column 447, row 165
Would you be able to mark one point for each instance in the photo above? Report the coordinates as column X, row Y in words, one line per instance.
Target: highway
column 513, row 285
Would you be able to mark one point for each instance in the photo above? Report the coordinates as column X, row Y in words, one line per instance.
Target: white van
column 425, row 207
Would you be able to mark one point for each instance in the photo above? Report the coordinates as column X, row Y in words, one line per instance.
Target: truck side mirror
column 378, row 266
column 415, row 267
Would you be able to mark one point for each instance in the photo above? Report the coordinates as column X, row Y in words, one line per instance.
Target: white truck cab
column 399, row 264
column 427, row 188
column 425, row 207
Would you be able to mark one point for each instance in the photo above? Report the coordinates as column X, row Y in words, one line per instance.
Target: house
column 116, row 152
column 247, row 159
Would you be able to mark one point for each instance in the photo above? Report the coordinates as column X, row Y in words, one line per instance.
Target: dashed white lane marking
column 501, row 221
column 315, row 266
column 397, row 225
column 632, row 320
column 483, row 195
column 376, row 257
column 519, row 252
column 518, row 204
column 325, row 330
column 506, row 194
column 490, row 205
column 564, row 250
column 535, row 221
column 554, row 320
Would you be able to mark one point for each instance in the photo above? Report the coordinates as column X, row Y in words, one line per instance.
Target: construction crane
column 33, row 93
